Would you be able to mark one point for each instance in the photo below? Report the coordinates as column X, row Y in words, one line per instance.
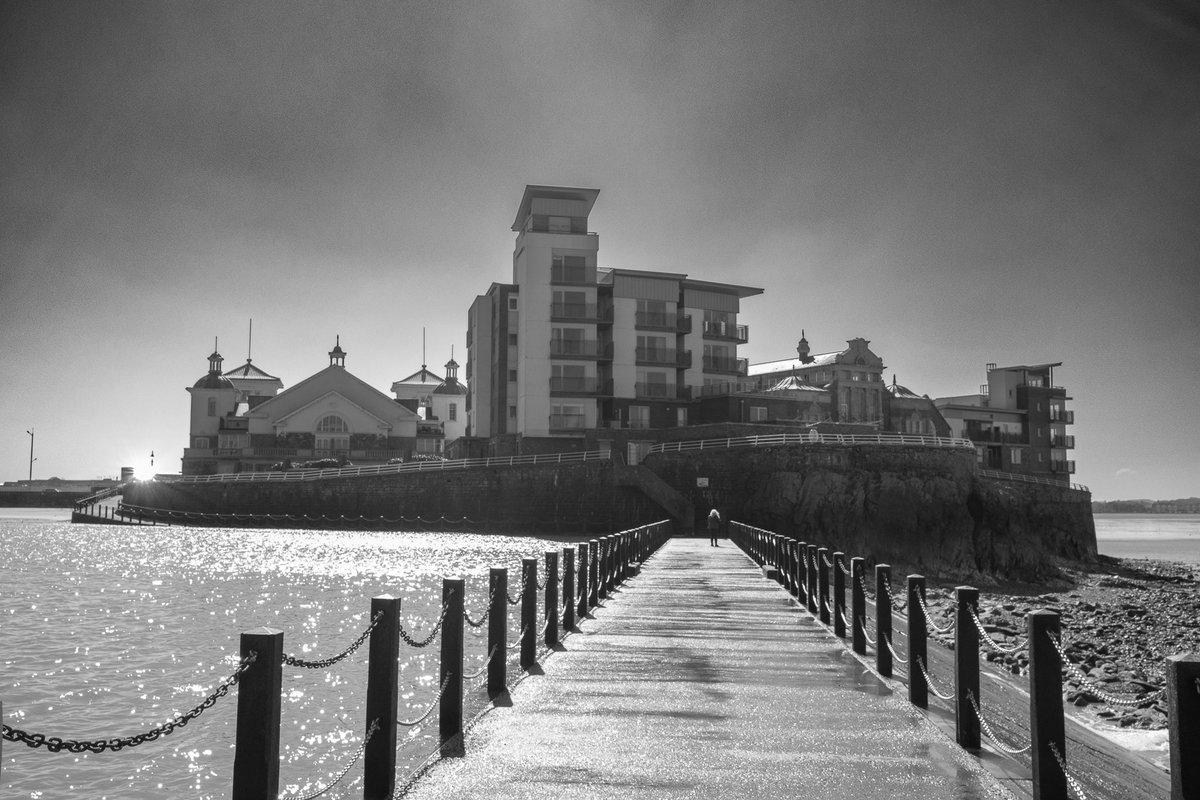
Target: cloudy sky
column 960, row 183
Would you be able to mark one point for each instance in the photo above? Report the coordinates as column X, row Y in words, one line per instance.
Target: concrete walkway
column 700, row 679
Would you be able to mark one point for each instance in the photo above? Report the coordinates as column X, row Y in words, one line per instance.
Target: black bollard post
column 823, row 585
column 883, row 620
column 256, row 746
column 568, row 588
column 602, row 570
column 594, row 579
column 1183, row 722
column 497, row 680
column 966, row 668
column 918, row 643
column 858, row 607
column 584, row 553
column 529, row 614
column 801, row 573
column 810, row 569
column 839, row 594
column 551, row 615
column 450, row 710
column 1046, row 726
column 383, row 694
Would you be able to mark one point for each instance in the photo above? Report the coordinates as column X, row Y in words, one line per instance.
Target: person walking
column 714, row 527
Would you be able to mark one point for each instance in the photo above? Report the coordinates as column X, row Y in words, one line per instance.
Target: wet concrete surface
column 698, row 678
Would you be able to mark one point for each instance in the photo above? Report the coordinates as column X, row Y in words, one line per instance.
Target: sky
column 959, row 183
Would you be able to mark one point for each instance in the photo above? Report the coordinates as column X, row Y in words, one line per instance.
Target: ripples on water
column 110, row 631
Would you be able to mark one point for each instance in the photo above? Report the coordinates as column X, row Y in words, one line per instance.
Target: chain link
column 414, row 723
column 895, row 656
column 983, row 723
column 929, row 617
column 1095, row 689
column 512, row 601
column 1062, row 764
column 483, row 619
column 473, row 675
column 54, row 744
column 929, row 681
column 293, row 661
column 887, row 587
column 992, row 643
column 520, row 637
column 862, row 623
column 362, row 749
column 425, row 642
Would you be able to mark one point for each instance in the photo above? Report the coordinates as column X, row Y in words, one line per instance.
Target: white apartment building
column 569, row 346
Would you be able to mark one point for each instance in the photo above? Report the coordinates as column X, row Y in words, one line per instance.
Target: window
column 212, row 406
column 201, row 443
column 639, row 416
column 567, row 341
column 512, row 304
column 758, row 413
column 681, row 416
column 512, row 412
column 332, row 423
column 1016, row 456
column 512, row 339
column 568, row 269
column 512, row 375
column 453, row 413
column 572, row 305
column 558, row 224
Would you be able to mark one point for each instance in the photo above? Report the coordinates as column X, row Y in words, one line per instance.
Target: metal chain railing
column 895, row 656
column 349, row 765
column 991, row 734
column 293, row 661
column 512, row 601
column 432, row 706
column 825, row 560
column 1095, row 689
column 862, row 623
column 483, row 619
column 929, row 617
column 1071, row 781
column 986, row 637
column 929, row 681
column 425, row 642
column 887, row 587
column 54, row 744
column 520, row 636
column 870, row 595
column 473, row 675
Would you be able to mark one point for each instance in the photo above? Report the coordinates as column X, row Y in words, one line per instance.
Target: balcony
column 733, row 366
column 663, row 357
column 568, row 422
column 683, row 324
column 656, row 391
column 574, row 386
column 575, row 348
column 1063, row 467
column 727, row 331
column 1062, row 440
column 995, row 437
column 654, row 320
column 573, row 312
column 571, row 276
column 1061, row 416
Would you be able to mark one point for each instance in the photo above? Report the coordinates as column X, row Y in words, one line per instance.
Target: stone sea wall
column 920, row 509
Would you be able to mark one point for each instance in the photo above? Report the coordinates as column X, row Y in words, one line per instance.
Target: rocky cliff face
column 919, row 509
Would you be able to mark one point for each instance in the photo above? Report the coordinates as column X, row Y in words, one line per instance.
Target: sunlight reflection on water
column 110, row 631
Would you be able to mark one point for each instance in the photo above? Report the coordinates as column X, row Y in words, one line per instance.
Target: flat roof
column 552, row 193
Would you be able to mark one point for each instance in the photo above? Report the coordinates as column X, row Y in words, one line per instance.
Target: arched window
column 333, row 436
column 332, row 424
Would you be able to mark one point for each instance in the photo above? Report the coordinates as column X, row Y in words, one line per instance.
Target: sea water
column 109, row 631
column 1165, row 537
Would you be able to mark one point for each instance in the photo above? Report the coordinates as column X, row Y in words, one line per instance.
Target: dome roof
column 450, row 387
column 213, row 381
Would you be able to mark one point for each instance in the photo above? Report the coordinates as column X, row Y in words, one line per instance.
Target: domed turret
column 802, row 349
column 337, row 356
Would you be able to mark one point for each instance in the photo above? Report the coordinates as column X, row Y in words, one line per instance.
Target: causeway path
column 699, row 678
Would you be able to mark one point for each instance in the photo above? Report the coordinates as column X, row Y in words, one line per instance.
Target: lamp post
column 30, row 432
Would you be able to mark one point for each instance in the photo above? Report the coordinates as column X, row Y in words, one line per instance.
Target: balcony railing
column 291, row 452
column 683, row 324
column 655, row 319
column 1061, row 440
column 1063, row 417
column 575, row 348
column 572, row 385
column 579, row 276
column 727, row 330
column 567, row 422
column 657, row 391
column 573, row 311
column 1067, row 467
column 736, row 366
column 996, row 437
column 663, row 356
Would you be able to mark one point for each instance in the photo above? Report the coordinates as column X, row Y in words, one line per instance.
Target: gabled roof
column 320, row 384
column 421, row 376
